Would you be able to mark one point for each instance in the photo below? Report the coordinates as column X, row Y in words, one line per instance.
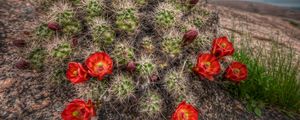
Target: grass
column 273, row 76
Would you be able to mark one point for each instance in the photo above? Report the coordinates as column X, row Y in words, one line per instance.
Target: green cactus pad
column 172, row 46
column 126, row 20
column 62, row 50
column 123, row 53
column 165, row 18
column 103, row 34
column 151, row 104
column 43, row 32
column 37, row 57
column 123, row 86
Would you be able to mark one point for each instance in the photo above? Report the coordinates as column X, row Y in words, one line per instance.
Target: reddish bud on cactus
column 22, row 64
column 19, row 43
column 74, row 41
column 190, row 36
column 153, row 78
column 193, row 2
column 53, row 26
column 131, row 66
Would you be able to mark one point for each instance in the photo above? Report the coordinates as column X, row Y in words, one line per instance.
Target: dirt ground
column 26, row 94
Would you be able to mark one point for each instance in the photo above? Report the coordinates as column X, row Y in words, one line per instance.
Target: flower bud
column 19, row 43
column 53, row 26
column 22, row 64
column 131, row 66
column 153, row 78
column 190, row 36
column 193, row 2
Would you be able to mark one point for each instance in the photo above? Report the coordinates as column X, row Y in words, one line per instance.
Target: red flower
column 236, row 71
column 78, row 110
column 76, row 73
column 222, row 47
column 99, row 65
column 207, row 66
column 190, row 36
column 185, row 111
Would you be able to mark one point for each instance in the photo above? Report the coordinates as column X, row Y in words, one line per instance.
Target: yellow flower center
column 223, row 45
column 236, row 71
column 99, row 64
column 75, row 73
column 75, row 113
column 207, row 64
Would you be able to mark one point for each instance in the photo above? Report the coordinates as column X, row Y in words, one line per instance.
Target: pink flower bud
column 19, row 43
column 193, row 2
column 131, row 66
column 22, row 64
column 53, row 26
column 153, row 78
column 190, row 36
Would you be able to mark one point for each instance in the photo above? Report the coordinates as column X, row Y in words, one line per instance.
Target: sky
column 284, row 3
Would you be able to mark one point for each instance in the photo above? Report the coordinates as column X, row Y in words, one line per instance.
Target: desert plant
column 141, row 2
column 166, row 16
column 62, row 50
column 93, row 8
column 70, row 25
column 175, row 83
column 172, row 46
column 123, row 53
column 127, row 20
column 123, row 86
column 43, row 32
column 145, row 67
column 148, row 45
column 37, row 57
column 102, row 33
column 97, row 90
column 151, row 104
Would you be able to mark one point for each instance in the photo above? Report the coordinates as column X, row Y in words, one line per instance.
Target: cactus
column 93, row 9
column 62, row 51
column 198, row 22
column 147, row 45
column 37, row 57
column 75, row 2
column 165, row 18
column 146, row 67
column 70, row 25
column 141, row 2
column 123, row 53
column 102, row 32
column 151, row 104
column 127, row 20
column 123, row 86
column 172, row 46
column 175, row 83
column 97, row 90
column 43, row 32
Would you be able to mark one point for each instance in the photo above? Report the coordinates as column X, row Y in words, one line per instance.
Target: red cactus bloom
column 76, row 73
column 207, row 66
column 79, row 110
column 190, row 36
column 99, row 65
column 236, row 72
column 222, row 47
column 53, row 26
column 185, row 111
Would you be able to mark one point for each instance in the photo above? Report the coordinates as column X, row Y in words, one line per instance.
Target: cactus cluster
column 165, row 18
column 102, row 33
column 97, row 90
column 62, row 51
column 42, row 32
column 146, row 67
column 37, row 57
column 172, row 46
column 127, row 20
column 140, row 2
column 151, row 104
column 123, row 86
column 123, row 53
column 93, row 9
column 148, row 45
column 70, row 25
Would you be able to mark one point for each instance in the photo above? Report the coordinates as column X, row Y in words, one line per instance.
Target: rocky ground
column 26, row 94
